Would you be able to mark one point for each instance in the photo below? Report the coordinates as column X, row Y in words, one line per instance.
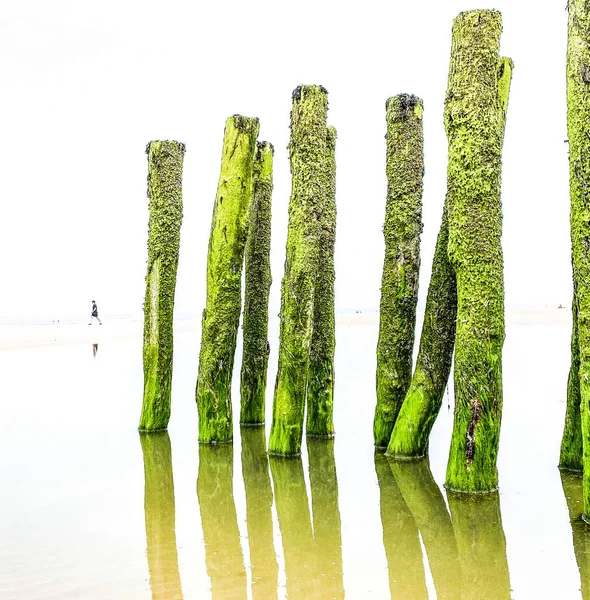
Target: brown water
column 91, row 509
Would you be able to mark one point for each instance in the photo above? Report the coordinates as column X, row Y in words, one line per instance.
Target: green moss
column 306, row 149
column 326, row 517
column 399, row 285
column 292, row 506
column 259, row 513
column 477, row 524
column 433, row 366
column 578, row 117
column 570, row 458
column 427, row 505
column 474, row 120
column 224, row 277
column 223, row 553
column 320, row 382
column 165, row 159
column 160, row 517
column 258, row 282
column 400, row 537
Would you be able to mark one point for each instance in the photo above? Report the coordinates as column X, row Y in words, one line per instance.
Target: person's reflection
column 477, row 524
column 160, row 516
column 223, row 553
column 574, row 496
column 400, row 538
column 94, row 349
column 295, row 526
column 326, row 517
column 427, row 505
column 259, row 513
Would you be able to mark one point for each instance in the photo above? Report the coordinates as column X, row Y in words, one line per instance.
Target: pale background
column 85, row 85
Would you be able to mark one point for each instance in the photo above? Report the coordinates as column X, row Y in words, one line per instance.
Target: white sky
column 87, row 84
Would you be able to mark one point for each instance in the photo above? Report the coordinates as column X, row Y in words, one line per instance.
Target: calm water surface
column 91, row 509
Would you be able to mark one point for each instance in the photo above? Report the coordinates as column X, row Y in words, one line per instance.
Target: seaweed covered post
column 433, row 365
column 165, row 159
column 399, row 284
column 258, row 281
column 224, row 278
column 320, row 382
column 307, row 150
column 475, row 109
column 570, row 457
column 578, row 117
column 160, row 525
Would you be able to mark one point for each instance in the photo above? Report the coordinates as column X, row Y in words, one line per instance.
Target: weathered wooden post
column 307, row 150
column 258, row 281
column 399, row 285
column 165, row 160
column 475, row 108
column 320, row 385
column 224, row 277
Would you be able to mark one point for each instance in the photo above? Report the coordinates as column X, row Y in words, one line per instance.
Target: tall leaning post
column 165, row 160
column 307, row 149
column 578, row 117
column 475, row 112
column 224, row 277
column 257, row 291
column 320, row 380
column 399, row 284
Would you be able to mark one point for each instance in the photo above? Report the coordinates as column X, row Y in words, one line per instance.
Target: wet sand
column 91, row 510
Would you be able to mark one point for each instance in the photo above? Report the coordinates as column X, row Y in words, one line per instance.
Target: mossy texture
column 258, row 282
column 265, row 570
column 475, row 109
column 399, row 284
column 477, row 524
column 307, row 149
column 165, row 160
column 570, row 458
column 292, row 506
column 433, row 365
column 160, row 517
column 224, row 277
column 400, row 537
column 578, row 118
column 320, row 382
column 327, row 533
column 223, row 552
column 427, row 505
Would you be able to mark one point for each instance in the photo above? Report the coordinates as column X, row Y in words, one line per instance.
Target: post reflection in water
column 427, row 505
column 259, row 513
column 160, row 516
column 223, row 553
column 477, row 524
column 400, row 537
column 326, row 518
column 574, row 496
column 295, row 526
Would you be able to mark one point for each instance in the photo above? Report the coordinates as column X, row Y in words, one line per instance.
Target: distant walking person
column 94, row 313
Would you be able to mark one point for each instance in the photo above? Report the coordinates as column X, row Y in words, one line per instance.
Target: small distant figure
column 561, row 306
column 94, row 349
column 94, row 314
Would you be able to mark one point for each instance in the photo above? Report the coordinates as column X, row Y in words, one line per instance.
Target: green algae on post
column 399, row 285
column 433, row 365
column 578, row 117
column 475, row 110
column 320, row 380
column 224, row 279
column 165, row 159
column 160, row 521
column 570, row 457
column 258, row 282
column 307, row 149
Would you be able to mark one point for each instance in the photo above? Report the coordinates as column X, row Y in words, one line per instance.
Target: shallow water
column 91, row 509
